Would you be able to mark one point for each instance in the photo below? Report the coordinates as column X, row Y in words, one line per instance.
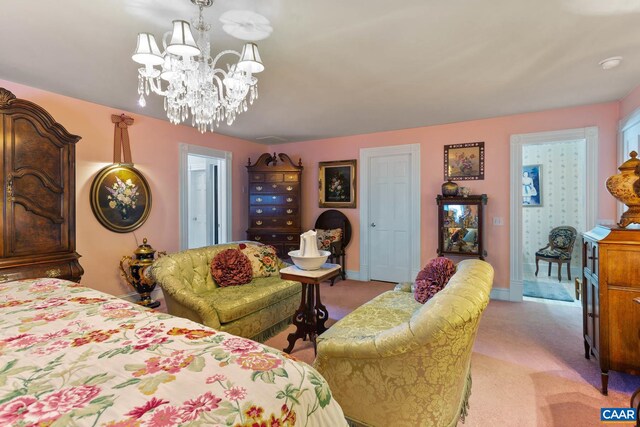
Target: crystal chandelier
column 194, row 85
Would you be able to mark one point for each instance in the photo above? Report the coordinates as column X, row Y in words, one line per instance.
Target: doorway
column 552, row 148
column 205, row 197
column 390, row 213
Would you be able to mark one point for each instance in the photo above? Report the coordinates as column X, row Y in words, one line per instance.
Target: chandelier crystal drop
column 194, row 85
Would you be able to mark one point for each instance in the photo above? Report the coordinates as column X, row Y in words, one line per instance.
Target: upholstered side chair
column 558, row 250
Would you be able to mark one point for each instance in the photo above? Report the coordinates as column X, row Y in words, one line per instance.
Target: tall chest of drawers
column 274, row 202
column 611, row 282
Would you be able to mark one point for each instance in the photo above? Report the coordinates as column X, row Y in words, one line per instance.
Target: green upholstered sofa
column 394, row 361
column 256, row 310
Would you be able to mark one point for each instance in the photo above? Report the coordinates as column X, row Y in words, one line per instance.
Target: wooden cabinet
column 274, row 202
column 460, row 225
column 610, row 282
column 38, row 204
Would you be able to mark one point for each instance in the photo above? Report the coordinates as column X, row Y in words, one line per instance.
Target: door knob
column 373, row 224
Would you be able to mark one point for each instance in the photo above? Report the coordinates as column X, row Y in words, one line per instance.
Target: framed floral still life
column 338, row 184
column 531, row 180
column 120, row 198
column 464, row 161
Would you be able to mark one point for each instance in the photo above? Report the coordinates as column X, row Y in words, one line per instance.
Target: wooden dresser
column 38, row 203
column 610, row 282
column 274, row 202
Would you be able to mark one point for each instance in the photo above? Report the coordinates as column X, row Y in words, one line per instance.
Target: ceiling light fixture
column 194, row 84
column 610, row 63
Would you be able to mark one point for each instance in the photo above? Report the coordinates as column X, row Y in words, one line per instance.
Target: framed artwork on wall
column 337, row 184
column 120, row 198
column 531, row 180
column 464, row 161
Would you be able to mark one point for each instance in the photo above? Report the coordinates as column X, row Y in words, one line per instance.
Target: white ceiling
column 344, row 67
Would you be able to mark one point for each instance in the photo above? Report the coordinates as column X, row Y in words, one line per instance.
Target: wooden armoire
column 274, row 202
column 38, row 204
column 610, row 283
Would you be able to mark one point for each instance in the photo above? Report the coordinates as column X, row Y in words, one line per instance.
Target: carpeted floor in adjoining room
column 528, row 364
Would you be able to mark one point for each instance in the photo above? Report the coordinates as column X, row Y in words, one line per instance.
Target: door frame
column 629, row 121
column 366, row 154
column 516, row 258
column 184, row 151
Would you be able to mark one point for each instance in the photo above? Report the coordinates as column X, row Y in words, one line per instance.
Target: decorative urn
column 625, row 187
column 449, row 189
column 137, row 273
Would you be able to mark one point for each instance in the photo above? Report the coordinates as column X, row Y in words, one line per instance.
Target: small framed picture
column 531, row 180
column 464, row 161
column 338, row 184
column 120, row 198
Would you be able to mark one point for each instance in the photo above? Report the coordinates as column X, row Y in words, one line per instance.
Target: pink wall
column 630, row 103
column 495, row 133
column 154, row 149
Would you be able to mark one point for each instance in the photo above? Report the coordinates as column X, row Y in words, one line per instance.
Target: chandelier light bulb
column 194, row 87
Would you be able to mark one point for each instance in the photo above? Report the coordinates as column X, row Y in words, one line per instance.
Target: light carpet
column 554, row 291
column 528, row 364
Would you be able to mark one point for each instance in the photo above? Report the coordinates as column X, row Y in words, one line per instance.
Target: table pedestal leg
column 322, row 314
column 305, row 319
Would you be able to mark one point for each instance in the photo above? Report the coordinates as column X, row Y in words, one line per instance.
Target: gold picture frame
column 120, row 198
column 337, row 184
column 464, row 161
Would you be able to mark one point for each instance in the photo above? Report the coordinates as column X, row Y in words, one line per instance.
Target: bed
column 71, row 355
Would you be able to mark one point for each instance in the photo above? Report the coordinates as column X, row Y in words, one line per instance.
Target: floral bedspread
column 72, row 356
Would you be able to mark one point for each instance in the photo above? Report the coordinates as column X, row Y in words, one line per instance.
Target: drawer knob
column 289, row 211
column 258, row 222
column 273, row 209
column 289, row 222
column 289, row 199
column 259, row 188
column 54, row 272
column 4, row 278
column 256, row 177
column 274, row 186
column 289, row 237
column 257, row 238
column 273, row 235
column 259, row 199
column 259, row 211
column 289, row 188
column 274, row 197
column 274, row 220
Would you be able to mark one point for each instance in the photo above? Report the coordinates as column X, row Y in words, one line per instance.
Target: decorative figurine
column 137, row 272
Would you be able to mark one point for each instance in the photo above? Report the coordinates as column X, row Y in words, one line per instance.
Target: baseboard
column 353, row 275
column 501, row 294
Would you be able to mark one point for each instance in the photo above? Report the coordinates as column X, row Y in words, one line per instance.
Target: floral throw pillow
column 263, row 258
column 433, row 278
column 231, row 268
column 327, row 237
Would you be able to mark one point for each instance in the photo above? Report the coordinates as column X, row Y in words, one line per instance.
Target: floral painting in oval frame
column 120, row 198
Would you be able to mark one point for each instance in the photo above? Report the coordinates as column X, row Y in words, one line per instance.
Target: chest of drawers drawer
column 273, row 199
column 267, row 222
column 274, row 188
column 258, row 211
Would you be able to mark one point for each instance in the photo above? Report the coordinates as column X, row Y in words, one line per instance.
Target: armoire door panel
column 35, row 150
column 35, row 234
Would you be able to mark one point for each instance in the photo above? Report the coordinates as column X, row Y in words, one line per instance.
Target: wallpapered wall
column 563, row 193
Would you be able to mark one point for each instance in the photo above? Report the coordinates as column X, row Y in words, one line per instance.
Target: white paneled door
column 389, row 218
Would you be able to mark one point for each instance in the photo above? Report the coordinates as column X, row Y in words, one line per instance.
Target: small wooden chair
column 331, row 219
column 558, row 249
